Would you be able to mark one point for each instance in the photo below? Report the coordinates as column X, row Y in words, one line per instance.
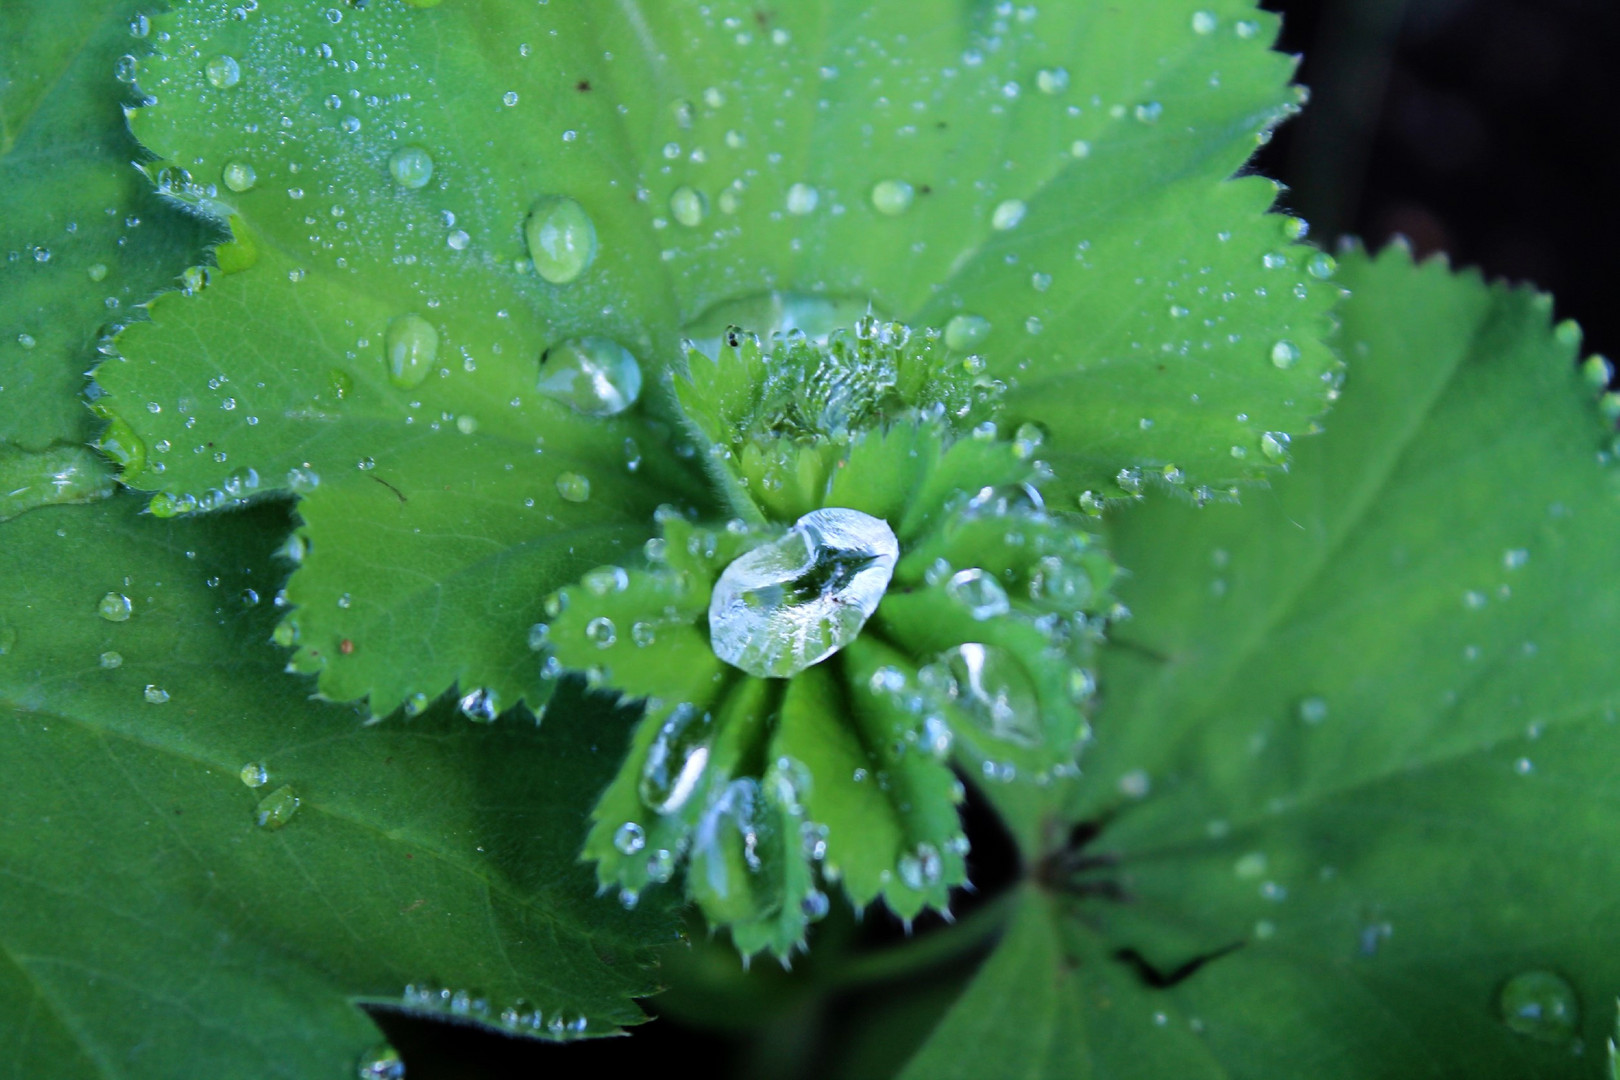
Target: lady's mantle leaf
column 84, row 239
column 202, row 871
column 493, row 180
column 1393, row 683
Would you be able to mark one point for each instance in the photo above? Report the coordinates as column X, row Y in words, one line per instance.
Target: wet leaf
column 204, row 871
column 429, row 202
column 1352, row 793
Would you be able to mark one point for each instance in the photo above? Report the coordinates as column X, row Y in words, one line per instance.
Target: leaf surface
column 1352, row 793
column 1067, row 176
column 155, row 929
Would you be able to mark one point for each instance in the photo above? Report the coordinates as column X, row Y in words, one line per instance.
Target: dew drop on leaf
column 791, row 603
column 963, row 332
column 980, row 593
column 592, row 375
column 687, row 206
column 115, row 607
column 223, row 72
column 276, row 808
column 629, row 838
column 1204, row 22
column 561, row 238
column 254, row 774
column 1540, row 1005
column 239, row 176
column 481, row 706
column 155, row 694
column 1284, row 355
column 676, row 759
column 802, row 199
column 892, row 197
column 381, row 1062
column 411, row 167
column 573, row 487
column 601, row 632
column 1007, row 214
column 992, row 687
column 410, row 345
column 109, row 659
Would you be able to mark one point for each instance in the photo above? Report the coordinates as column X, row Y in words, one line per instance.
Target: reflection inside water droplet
column 592, row 375
column 795, row 601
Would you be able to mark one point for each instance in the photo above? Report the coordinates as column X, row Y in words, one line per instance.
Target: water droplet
column 411, row 167
column 979, row 592
column 1007, row 214
column 1135, row 784
column 109, row 659
column 1204, row 22
column 892, row 197
column 1313, row 710
column 991, row 685
column 481, row 706
column 802, row 199
column 561, row 238
column 381, row 1062
column 1321, row 266
column 1541, row 1005
column 1149, row 112
column 573, row 487
column 1246, row 28
column 1515, row 558
column 687, row 206
column 239, row 176
column 676, row 759
column 963, row 332
column 601, row 632
column 254, row 774
column 276, row 808
column 509, row 98
column 922, row 869
column 1052, row 80
column 1274, row 444
column 410, row 346
column 629, row 838
column 458, row 240
column 115, row 607
column 302, row 479
column 592, row 375
column 124, row 68
column 795, row 601
column 155, row 694
column 1284, row 355
column 223, row 71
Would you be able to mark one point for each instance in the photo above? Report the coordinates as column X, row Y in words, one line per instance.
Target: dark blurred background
column 1489, row 129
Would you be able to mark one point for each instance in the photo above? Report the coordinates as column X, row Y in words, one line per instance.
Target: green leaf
column 154, row 929
column 1352, row 793
column 727, row 167
column 85, row 238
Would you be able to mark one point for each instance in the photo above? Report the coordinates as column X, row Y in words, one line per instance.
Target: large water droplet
column 1541, row 1005
column 793, row 602
column 411, row 167
column 732, row 844
column 992, row 687
column 410, row 345
column 115, row 607
column 561, row 238
column 676, row 759
column 592, row 375
column 573, row 487
column 1284, row 355
column 223, row 71
column 276, row 808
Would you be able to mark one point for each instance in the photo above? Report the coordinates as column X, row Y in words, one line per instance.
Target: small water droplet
column 482, row 706
column 1313, row 710
column 601, row 632
column 411, row 167
column 109, row 659
column 1274, row 444
column 1540, row 1005
column 115, row 607
column 254, row 774
column 795, row 601
column 124, row 68
column 381, row 1062
column 979, row 592
column 561, row 238
column 892, row 197
column 1284, row 355
column 239, row 176
column 1149, row 112
column 410, row 347
column 629, row 838
column 963, row 332
column 676, row 760
column 1204, row 22
column 802, row 199
column 155, row 694
column 688, row 206
column 276, row 808
column 1052, row 80
column 573, row 487
column 1007, row 214
column 592, row 375
column 223, row 71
